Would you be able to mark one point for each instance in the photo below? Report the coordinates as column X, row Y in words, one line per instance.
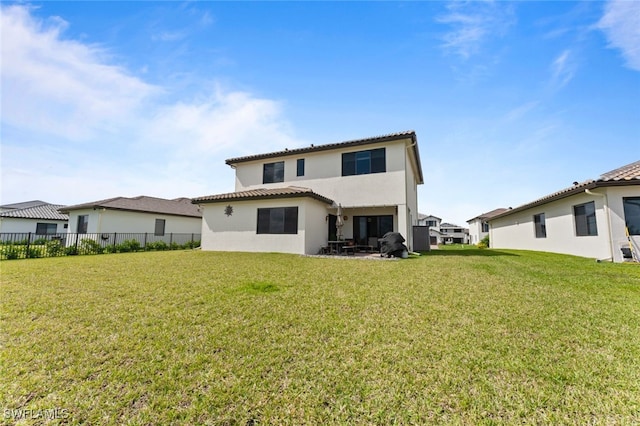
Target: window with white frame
column 278, row 220
column 83, row 224
column 585, row 218
column 540, row 225
column 159, row 228
column 46, row 228
column 632, row 214
column 273, row 172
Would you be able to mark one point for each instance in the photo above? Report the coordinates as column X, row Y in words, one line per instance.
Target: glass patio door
column 366, row 227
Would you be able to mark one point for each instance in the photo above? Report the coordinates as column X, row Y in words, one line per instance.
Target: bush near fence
column 31, row 245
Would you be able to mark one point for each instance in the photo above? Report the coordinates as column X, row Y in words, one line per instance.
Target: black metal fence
column 28, row 245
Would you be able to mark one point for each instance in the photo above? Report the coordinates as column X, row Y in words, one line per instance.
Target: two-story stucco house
column 589, row 219
column 288, row 201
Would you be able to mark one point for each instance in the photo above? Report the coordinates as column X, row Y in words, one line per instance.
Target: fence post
column 170, row 240
column 144, row 248
column 192, row 241
column 115, row 235
column 26, row 253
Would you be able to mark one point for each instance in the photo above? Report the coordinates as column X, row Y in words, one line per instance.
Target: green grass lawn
column 461, row 336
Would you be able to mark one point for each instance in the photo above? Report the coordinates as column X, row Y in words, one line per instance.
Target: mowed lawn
column 453, row 337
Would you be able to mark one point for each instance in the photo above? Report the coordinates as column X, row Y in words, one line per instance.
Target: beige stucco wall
column 10, row 224
column 396, row 188
column 107, row 221
column 517, row 231
column 238, row 232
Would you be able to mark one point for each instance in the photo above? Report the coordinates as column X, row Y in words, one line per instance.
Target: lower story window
column 46, row 228
column 159, row 229
column 278, row 220
column 540, row 225
column 83, row 224
column 632, row 214
column 585, row 216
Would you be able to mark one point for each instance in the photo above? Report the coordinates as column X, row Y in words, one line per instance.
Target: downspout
column 99, row 230
column 410, row 222
column 607, row 217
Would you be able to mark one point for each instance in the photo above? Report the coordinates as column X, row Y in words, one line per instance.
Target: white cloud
column 621, row 25
column 563, row 69
column 77, row 127
column 473, row 24
column 61, row 87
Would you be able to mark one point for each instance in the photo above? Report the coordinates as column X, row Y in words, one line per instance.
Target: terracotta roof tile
column 263, row 193
column 625, row 175
column 628, row 172
column 489, row 215
column 409, row 134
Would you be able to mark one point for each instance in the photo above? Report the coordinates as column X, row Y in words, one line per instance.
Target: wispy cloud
column 621, row 25
column 61, row 87
column 473, row 24
column 521, row 111
column 563, row 69
column 87, row 124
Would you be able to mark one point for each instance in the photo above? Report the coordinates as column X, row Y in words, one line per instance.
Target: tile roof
column 23, row 205
column 175, row 207
column 409, row 134
column 489, row 215
column 44, row 211
column 262, row 194
column 625, row 175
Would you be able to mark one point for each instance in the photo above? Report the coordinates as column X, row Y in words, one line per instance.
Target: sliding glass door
column 367, row 229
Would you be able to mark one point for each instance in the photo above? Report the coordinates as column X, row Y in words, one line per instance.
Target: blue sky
column 510, row 100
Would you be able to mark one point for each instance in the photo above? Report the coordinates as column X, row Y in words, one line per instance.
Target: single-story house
column 135, row 215
column 588, row 219
column 298, row 200
column 479, row 225
column 37, row 217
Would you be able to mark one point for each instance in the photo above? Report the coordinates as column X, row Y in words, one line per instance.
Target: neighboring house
column 135, row 215
column 433, row 222
column 587, row 219
column 37, row 217
column 454, row 234
column 288, row 201
column 479, row 225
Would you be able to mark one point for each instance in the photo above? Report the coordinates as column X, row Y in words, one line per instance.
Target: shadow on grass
column 467, row 252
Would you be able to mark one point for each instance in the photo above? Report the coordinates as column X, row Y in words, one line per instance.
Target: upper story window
column 364, row 162
column 300, row 167
column 273, row 172
column 585, row 216
column 485, row 227
column 432, row 223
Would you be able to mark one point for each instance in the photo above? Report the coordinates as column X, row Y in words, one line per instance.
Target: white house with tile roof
column 288, row 201
column 479, row 225
column 588, row 219
column 37, row 217
column 135, row 215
